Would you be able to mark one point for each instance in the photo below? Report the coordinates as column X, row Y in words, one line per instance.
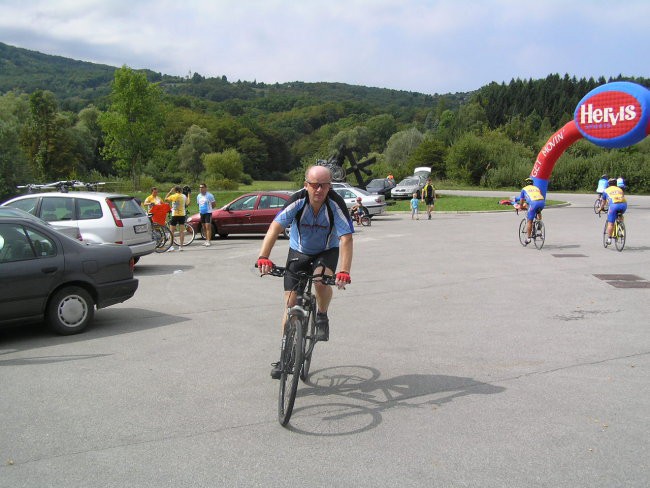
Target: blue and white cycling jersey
column 312, row 234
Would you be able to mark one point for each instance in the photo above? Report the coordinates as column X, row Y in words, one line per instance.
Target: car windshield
column 375, row 184
column 409, row 182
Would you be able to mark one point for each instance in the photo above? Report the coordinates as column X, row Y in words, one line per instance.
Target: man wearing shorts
column 617, row 203
column 534, row 201
column 321, row 233
column 429, row 197
column 178, row 202
column 205, row 200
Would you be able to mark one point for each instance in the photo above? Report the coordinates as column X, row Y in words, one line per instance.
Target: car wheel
column 70, row 310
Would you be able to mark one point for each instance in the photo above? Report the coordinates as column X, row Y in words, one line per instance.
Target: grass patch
column 452, row 203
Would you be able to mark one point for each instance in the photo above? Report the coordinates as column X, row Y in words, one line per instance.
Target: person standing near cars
column 151, row 200
column 205, row 200
column 178, row 202
column 429, row 196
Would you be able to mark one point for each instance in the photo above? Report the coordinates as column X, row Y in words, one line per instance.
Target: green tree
column 226, row 164
column 133, row 123
column 14, row 112
column 399, row 149
column 39, row 138
column 195, row 145
column 431, row 152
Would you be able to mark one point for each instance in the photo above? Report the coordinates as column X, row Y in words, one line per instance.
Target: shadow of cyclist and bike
column 364, row 396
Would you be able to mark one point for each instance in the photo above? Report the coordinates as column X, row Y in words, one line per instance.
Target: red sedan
column 248, row 214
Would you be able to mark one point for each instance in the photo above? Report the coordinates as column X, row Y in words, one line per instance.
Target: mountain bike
column 618, row 233
column 298, row 339
column 538, row 234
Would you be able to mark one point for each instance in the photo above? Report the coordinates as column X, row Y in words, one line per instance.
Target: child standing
column 415, row 202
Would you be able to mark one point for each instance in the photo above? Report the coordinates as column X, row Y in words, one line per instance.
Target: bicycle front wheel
column 309, row 341
column 365, row 220
column 597, row 205
column 539, row 234
column 522, row 232
column 290, row 365
column 620, row 235
column 188, row 238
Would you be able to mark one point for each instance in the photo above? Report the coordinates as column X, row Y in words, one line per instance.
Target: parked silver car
column 408, row 186
column 102, row 218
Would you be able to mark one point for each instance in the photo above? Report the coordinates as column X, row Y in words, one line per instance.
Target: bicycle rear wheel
column 365, row 220
column 309, row 341
column 290, row 364
column 539, row 234
column 188, row 238
column 522, row 232
column 620, row 235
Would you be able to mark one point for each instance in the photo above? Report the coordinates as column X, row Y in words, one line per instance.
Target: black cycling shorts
column 206, row 218
column 177, row 220
column 430, row 201
column 297, row 261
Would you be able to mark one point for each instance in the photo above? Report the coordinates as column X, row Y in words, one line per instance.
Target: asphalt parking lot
column 457, row 358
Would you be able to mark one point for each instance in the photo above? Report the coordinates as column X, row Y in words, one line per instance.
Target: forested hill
column 77, row 83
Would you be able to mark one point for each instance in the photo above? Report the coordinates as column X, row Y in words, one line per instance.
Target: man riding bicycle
column 617, row 204
column 321, row 232
column 531, row 198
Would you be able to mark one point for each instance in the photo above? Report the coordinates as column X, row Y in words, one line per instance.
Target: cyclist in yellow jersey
column 617, row 203
column 531, row 198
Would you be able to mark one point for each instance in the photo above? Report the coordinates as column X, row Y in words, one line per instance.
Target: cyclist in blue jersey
column 531, row 198
column 321, row 233
column 617, row 203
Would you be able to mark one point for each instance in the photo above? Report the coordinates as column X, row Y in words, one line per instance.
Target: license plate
column 139, row 229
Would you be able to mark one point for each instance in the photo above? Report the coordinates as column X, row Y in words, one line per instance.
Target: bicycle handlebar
column 280, row 271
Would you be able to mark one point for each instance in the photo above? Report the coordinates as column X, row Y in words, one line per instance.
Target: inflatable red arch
column 613, row 115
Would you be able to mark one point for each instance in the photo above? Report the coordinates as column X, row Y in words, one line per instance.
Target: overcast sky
column 428, row 46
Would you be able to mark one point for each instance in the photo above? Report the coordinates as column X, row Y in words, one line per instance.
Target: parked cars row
column 99, row 218
column 45, row 274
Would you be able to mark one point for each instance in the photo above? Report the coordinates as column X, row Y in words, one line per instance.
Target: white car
column 101, row 218
column 376, row 204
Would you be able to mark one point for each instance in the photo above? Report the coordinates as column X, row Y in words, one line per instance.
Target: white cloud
column 419, row 45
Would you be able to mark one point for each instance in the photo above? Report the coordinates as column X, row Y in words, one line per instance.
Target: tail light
column 114, row 213
column 132, row 265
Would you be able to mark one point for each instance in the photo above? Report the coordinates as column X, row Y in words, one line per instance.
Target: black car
column 47, row 275
column 381, row 186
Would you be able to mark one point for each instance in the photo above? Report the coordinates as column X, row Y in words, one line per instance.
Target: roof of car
column 86, row 194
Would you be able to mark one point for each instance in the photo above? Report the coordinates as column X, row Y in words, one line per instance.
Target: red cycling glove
column 264, row 262
column 344, row 277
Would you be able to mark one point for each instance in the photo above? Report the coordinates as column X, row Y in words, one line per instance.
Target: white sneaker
column 207, row 244
column 609, row 241
column 171, row 249
column 180, row 249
